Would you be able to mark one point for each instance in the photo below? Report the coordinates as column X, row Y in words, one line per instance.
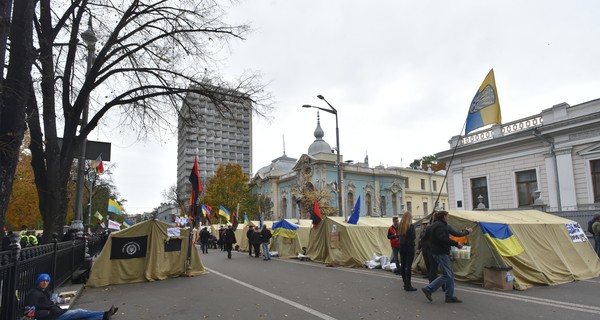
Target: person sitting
column 39, row 305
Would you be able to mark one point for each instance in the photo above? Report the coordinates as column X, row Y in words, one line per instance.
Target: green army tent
column 541, row 248
column 144, row 252
column 341, row 244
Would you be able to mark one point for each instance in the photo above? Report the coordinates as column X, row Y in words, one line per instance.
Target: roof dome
column 319, row 145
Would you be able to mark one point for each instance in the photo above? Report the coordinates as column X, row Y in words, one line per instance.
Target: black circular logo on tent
column 131, row 248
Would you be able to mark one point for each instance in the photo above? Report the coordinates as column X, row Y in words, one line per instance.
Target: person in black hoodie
column 440, row 244
column 265, row 238
column 407, row 238
column 256, row 243
column 204, row 236
column 249, row 236
column 39, row 305
column 229, row 240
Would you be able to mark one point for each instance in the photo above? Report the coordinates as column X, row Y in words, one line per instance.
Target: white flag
column 114, row 225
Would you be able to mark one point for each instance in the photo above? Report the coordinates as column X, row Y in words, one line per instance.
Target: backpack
column 590, row 224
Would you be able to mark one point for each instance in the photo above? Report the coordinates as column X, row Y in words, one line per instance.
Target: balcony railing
column 505, row 129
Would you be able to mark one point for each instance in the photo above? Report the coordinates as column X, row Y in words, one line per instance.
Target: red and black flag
column 196, row 188
column 234, row 221
column 316, row 215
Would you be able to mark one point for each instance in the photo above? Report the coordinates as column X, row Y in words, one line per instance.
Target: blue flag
column 260, row 221
column 355, row 213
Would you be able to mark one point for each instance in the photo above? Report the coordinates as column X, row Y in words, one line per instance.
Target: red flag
column 316, row 216
column 195, row 178
column 234, row 221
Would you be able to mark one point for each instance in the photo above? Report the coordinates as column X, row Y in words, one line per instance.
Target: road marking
column 274, row 296
column 497, row 294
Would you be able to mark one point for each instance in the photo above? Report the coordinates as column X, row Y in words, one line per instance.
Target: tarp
column 285, row 239
column 549, row 253
column 143, row 252
column 337, row 243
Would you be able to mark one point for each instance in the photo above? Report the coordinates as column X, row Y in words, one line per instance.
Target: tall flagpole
column 447, row 170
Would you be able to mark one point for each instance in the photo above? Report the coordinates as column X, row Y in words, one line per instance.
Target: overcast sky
column 400, row 73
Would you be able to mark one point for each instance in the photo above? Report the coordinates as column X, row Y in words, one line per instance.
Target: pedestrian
column 256, row 243
column 440, row 243
column 395, row 242
column 249, row 236
column 596, row 229
column 407, row 238
column 229, row 238
column 204, row 235
column 6, row 241
column 433, row 265
column 39, row 305
column 221, row 238
column 423, row 247
column 265, row 238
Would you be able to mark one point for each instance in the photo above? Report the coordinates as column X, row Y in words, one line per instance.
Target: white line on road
column 274, row 296
column 505, row 295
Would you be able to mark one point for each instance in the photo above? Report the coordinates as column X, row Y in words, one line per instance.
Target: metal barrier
column 20, row 267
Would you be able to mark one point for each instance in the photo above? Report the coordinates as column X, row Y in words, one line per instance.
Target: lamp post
column 89, row 37
column 341, row 212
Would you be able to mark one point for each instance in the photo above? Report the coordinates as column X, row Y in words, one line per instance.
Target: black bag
column 590, row 224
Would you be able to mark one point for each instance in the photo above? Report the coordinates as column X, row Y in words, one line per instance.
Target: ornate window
column 368, row 204
column 595, row 166
column 394, row 204
column 383, row 206
column 479, row 188
column 349, row 202
column 284, row 207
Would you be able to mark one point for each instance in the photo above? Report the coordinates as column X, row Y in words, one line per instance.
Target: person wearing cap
column 39, row 305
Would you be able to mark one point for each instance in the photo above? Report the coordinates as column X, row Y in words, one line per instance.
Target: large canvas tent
column 143, row 252
column 545, row 249
column 338, row 243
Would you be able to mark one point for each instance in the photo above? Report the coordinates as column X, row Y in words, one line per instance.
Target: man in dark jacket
column 256, row 243
column 265, row 238
column 39, row 305
column 204, row 235
column 230, row 239
column 249, row 236
column 440, row 244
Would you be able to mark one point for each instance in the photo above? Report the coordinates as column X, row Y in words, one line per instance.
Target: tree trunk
column 14, row 98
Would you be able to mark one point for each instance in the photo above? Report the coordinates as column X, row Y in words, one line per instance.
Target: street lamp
column 89, row 37
column 341, row 212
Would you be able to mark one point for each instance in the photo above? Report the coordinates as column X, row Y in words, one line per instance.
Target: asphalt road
column 250, row 288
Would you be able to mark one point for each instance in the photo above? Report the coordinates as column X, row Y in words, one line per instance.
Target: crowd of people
column 257, row 239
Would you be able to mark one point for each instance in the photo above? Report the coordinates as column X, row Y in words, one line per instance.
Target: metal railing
column 20, row 267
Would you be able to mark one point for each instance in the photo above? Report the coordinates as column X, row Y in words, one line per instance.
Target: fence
column 20, row 267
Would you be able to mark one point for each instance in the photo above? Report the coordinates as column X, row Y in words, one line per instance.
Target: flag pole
column 446, row 175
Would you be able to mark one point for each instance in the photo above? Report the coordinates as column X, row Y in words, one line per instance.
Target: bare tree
column 150, row 55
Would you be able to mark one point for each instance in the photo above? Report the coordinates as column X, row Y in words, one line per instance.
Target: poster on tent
column 576, row 232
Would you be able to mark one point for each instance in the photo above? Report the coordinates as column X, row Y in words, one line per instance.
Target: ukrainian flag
column 485, row 107
column 114, row 207
column 285, row 229
column 224, row 213
column 501, row 238
column 246, row 220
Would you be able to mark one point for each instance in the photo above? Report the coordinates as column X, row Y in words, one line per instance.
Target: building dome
column 319, row 145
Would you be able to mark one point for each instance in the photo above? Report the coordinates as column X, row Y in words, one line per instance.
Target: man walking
column 440, row 243
column 229, row 240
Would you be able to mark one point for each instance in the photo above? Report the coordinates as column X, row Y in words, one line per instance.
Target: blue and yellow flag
column 114, row 207
column 502, row 238
column 224, row 213
column 285, row 229
column 246, row 220
column 485, row 107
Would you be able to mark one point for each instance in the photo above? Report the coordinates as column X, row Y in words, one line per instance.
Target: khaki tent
column 341, row 244
column 143, row 252
column 553, row 250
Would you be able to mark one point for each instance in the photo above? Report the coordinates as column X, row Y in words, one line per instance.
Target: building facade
column 212, row 136
column 384, row 191
column 550, row 159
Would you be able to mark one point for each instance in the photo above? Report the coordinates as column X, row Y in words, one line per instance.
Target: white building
column 556, row 152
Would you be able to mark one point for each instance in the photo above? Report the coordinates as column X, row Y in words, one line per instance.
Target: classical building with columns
column 550, row 159
column 384, row 191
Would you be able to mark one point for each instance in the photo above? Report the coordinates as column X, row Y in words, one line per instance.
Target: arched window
column 383, row 206
column 350, row 202
column 394, row 204
column 310, row 186
column 368, row 204
column 284, row 208
column 294, row 205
